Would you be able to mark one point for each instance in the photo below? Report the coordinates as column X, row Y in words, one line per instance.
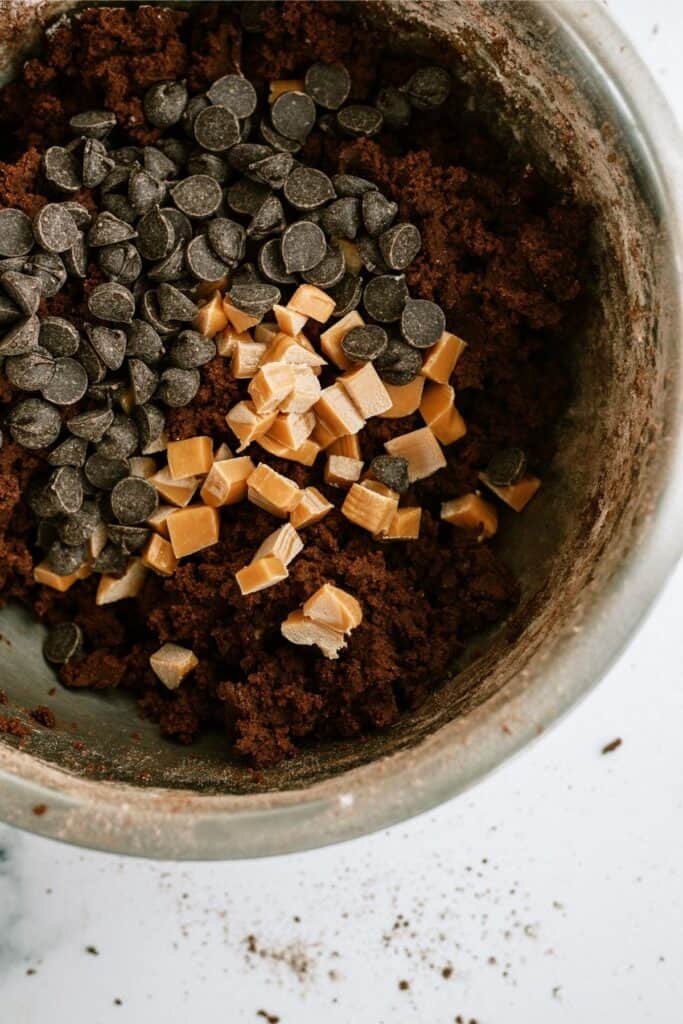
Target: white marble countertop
column 551, row 892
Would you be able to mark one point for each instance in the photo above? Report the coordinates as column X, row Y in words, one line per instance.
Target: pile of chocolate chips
column 173, row 218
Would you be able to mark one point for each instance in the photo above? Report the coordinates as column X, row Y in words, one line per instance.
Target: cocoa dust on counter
column 503, row 254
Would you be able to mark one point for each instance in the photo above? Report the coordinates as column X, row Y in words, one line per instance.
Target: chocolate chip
column 399, row 364
column 359, row 119
column 155, row 237
column 61, row 169
column 79, row 212
column 328, row 84
column 428, row 88
column 392, row 471
column 49, row 269
column 64, row 559
column 109, row 230
column 329, row 271
column 164, row 103
column 341, row 219
column 400, row 245
column 111, row 560
column 273, row 170
column 112, row 302
column 242, row 156
column 254, row 299
column 293, row 115
column 21, row 338
column 8, row 311
column 76, row 258
column 54, row 228
column 144, row 191
column 394, row 107
column 96, row 163
column 42, row 503
column 91, row 425
column 109, row 344
column 68, row 383
column 143, row 381
column 30, row 372
column 216, row 129
column 104, row 472
column 302, row 246
column 128, row 538
column 270, row 263
column 34, row 423
column 198, row 196
column 173, row 305
column 133, row 500
column 71, row 452
column 234, row 92
column 202, row 262
column 246, row 274
column 422, row 323
column 307, row 188
column 352, row 185
column 385, row 297
column 23, row 289
column 193, row 108
column 369, row 252
column 118, row 175
column 269, row 219
column 180, row 224
column 16, row 233
column 506, row 467
column 93, row 124
column 191, row 350
column 160, row 165
column 246, row 197
column 149, row 308
column 150, row 422
column 63, row 642
column 169, row 269
column 378, row 212
column 121, row 440
column 277, row 141
column 119, row 207
column 365, row 342
column 227, row 239
column 178, row 387
column 144, row 343
column 209, row 163
column 121, row 263
column 66, row 487
column 78, row 527
column 347, row 294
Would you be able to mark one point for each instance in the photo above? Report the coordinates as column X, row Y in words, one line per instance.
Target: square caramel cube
column 299, row 351
column 338, row 412
column 366, row 390
column 310, row 509
column 158, row 556
column 331, row 339
column 191, row 457
column 226, row 482
column 176, row 492
column 285, row 543
column 405, row 525
column 247, row 424
column 441, row 359
column 289, row 321
column 228, row 339
column 421, row 449
column 347, row 445
column 171, row 663
column 438, row 410
column 305, row 454
column 211, row 317
column 157, row 520
column 239, row 320
column 259, row 575
column 369, row 508
column 518, row 495
column 331, row 606
column 306, row 390
column 312, row 302
column 292, row 429
column 246, row 358
column 192, row 529
column 270, row 386
column 341, row 471
column 405, row 399
column 471, row 512
column 42, row 573
column 272, row 491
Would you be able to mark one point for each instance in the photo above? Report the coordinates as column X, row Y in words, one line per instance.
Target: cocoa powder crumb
column 44, row 716
column 39, row 810
column 14, row 726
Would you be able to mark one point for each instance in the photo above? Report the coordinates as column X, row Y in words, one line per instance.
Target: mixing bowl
column 592, row 551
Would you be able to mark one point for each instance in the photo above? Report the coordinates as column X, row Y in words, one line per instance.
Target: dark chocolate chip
column 506, row 467
column 178, row 387
column 61, row 169
column 164, row 103
column 96, row 163
column 352, row 185
column 428, row 88
column 270, row 263
column 202, row 261
column 234, row 92
column 392, row 471
column 144, row 343
column 369, row 252
column 191, row 350
column 181, row 225
column 359, row 119
column 174, row 305
column 246, row 274
column 111, row 560
column 93, row 124
column 118, row 175
column 112, row 302
column 23, row 289
column 209, row 163
column 399, row 364
column 121, row 440
column 329, row 271
column 198, row 196
column 64, row 559
column 272, row 170
column 91, row 362
column 103, row 472
column 242, row 156
column 80, row 213
column 49, row 269
column 128, row 538
column 143, row 381
column 149, row 308
column 269, row 219
column 365, row 342
column 227, row 239
column 155, row 235
column 216, row 129
column 91, row 425
column 144, row 191
column 121, row 263
column 194, row 106
column 41, row 501
column 108, row 230
column 341, row 219
column 109, row 343
column 71, row 452
column 394, row 107
column 30, row 372
column 9, row 313
column 385, row 297
column 133, row 500
column 246, row 197
column 150, row 422
column 422, row 323
column 347, row 294
column 328, row 84
column 277, row 141
column 400, row 245
column 66, row 487
column 63, row 642
column 16, row 233
column 255, row 299
column 68, row 383
column 307, row 188
column 34, row 423
column 160, row 165
column 303, row 246
column 78, row 527
column 293, row 115
column 171, row 268
column 21, row 338
column 76, row 258
column 119, row 207
column 54, row 228
column 378, row 212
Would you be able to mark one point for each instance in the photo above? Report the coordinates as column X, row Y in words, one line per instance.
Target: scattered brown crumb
column 404, row 985
column 30, row 970
column 269, row 1017
column 447, row 972
column 609, row 747
column 44, row 715
column 39, row 810
column 118, row 1002
column 15, row 727
column 93, row 950
column 52, row 691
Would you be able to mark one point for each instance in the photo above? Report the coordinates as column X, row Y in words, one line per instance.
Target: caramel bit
column 118, row 588
column 157, row 445
column 289, row 321
column 159, row 557
column 271, row 491
column 143, row 466
column 280, row 85
column 212, row 317
column 405, row 399
column 97, row 540
column 323, row 435
column 405, row 525
column 261, row 574
column 421, row 449
column 352, row 257
column 265, row 332
column 270, row 386
column 338, row 412
column 191, row 457
column 292, row 429
column 366, row 391
column 305, row 454
column 43, row 574
column 222, row 452
column 227, row 341
column 192, row 529
column 341, row 471
column 126, row 400
column 171, row 663
column 285, row 349
column 471, row 512
column 226, row 482
column 347, row 445
column 246, row 358
column 312, row 302
column 441, row 359
column 239, row 320
column 285, row 543
column 331, row 339
column 367, row 507
column 247, row 424
column 331, row 606
column 310, row 509
column 439, row 413
column 157, row 521
column 177, row 492
column 306, row 390
column 517, row 495
column 299, row 630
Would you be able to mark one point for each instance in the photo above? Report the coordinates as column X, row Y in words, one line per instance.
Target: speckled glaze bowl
column 592, row 551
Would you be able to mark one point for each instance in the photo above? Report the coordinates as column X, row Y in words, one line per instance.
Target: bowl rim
column 184, row 825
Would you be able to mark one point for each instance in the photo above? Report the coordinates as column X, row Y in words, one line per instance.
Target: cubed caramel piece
column 379, row 488
column 270, row 386
column 440, row 360
column 192, row 529
column 341, row 471
column 312, row 302
column 366, row 390
column 285, row 349
column 352, row 257
column 247, row 424
column 280, row 85
column 42, row 573
column 97, row 540
column 331, row 339
column 222, row 452
column 143, row 466
column 471, row 512
column 331, row 606
column 405, row 525
column 405, row 399
column 285, row 543
column 305, row 454
column 227, row 341
column 212, row 317
column 176, row 492
column 119, row 588
column 421, row 449
column 347, row 445
column 246, row 359
column 517, row 495
column 369, row 509
column 439, row 413
column 338, row 412
column 191, row 457
column 158, row 518
column 289, row 321
column 292, row 428
column 299, row 630
column 265, row 332
column 310, row 509
column 158, row 556
column 306, row 390
column 261, row 574
column 226, row 482
column 171, row 663
column 240, row 321
column 272, row 491
column 323, row 435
